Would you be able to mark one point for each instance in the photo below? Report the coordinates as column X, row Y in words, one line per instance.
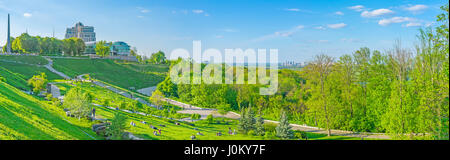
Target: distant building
column 118, row 48
column 86, row 33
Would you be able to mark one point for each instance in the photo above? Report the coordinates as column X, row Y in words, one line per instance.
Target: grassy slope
column 24, row 117
column 37, row 60
column 122, row 75
column 17, row 74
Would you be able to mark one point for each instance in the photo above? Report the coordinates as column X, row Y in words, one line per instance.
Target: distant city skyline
column 299, row 29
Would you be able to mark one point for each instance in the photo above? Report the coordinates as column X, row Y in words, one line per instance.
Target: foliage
column 38, row 82
column 102, row 48
column 158, row 58
column 117, row 127
column 283, row 129
column 77, row 103
column 73, row 46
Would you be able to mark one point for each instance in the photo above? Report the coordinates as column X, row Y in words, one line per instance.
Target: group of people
column 231, row 132
column 156, row 131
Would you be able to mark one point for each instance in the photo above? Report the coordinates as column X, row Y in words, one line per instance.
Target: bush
column 301, row 135
column 251, row 133
column 210, row 119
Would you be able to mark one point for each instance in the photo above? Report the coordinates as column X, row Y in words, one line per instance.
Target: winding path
column 204, row 112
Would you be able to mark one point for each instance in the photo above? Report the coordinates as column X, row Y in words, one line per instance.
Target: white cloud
column 219, row 36
column 336, row 26
column 357, row 8
column 300, row 26
column 339, row 13
column 145, row 11
column 293, row 9
column 198, row 11
column 287, row 33
column 320, row 28
column 376, row 13
column 385, row 22
column 416, row 8
column 413, row 24
column 27, row 15
column 140, row 16
column 351, row 40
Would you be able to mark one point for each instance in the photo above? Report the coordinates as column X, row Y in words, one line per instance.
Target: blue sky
column 298, row 29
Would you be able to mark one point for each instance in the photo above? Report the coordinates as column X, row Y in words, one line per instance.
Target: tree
column 283, row 129
column 247, row 120
column 73, row 46
column 25, row 44
column 158, row 58
column 38, row 82
column 322, row 67
column 117, row 127
column 102, row 49
column 195, row 116
column 77, row 103
column 259, row 125
column 157, row 98
column 210, row 119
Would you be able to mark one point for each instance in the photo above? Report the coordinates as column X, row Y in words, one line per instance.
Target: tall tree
column 283, row 129
column 77, row 103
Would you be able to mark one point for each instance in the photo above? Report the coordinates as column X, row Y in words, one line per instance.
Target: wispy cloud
column 287, row 33
column 339, row 13
column 351, row 40
column 27, row 15
column 413, row 24
column 143, row 10
column 218, row 36
column 336, row 26
column 376, row 13
column 197, row 11
column 229, row 30
column 416, row 8
column 318, row 41
column 320, row 28
column 292, row 9
column 386, row 22
column 357, row 8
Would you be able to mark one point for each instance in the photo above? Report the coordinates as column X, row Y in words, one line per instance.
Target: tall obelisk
column 8, row 47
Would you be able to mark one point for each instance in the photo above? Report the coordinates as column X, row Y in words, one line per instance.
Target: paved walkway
column 49, row 66
column 204, row 112
column 147, row 91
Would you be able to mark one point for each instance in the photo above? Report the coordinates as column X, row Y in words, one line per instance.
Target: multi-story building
column 86, row 33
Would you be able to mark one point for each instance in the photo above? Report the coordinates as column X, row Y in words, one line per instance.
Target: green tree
column 158, row 58
column 157, row 98
column 259, row 126
column 283, row 129
column 117, row 127
column 77, row 103
column 102, row 48
column 38, row 82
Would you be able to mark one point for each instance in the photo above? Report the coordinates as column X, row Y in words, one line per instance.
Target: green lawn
column 36, row 60
column 124, row 75
column 24, row 117
column 28, row 71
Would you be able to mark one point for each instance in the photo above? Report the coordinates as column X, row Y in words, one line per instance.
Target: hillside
column 24, row 117
column 124, row 75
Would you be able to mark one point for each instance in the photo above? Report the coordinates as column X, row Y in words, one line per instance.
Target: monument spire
column 8, row 47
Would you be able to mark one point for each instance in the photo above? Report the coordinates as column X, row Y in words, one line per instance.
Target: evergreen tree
column 283, row 129
column 259, row 125
column 117, row 127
